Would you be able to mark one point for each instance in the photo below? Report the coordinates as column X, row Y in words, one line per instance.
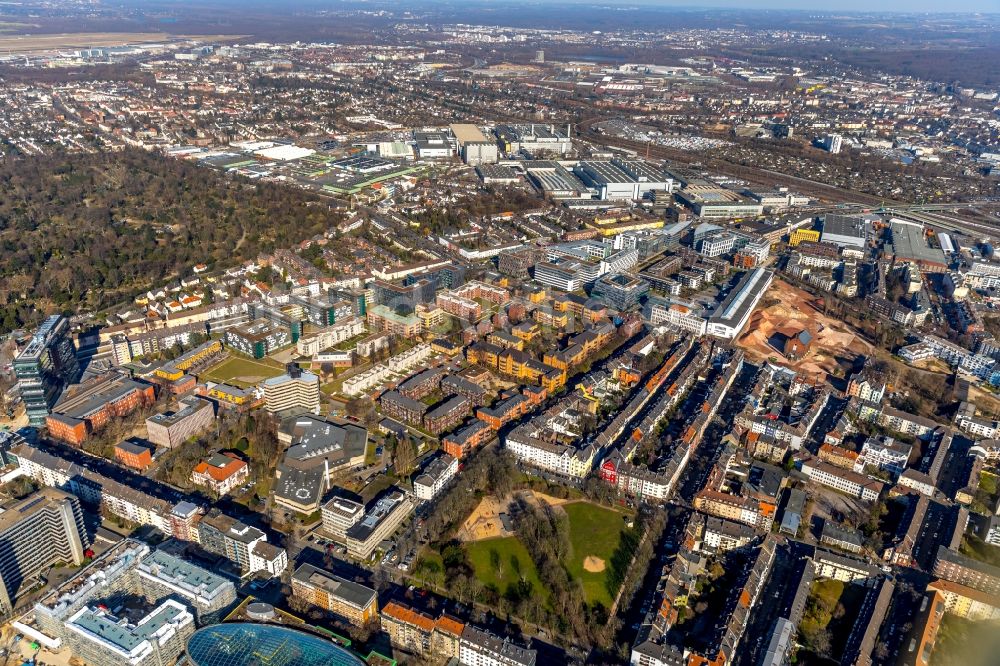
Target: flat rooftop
column 742, row 297
column 908, row 242
column 606, row 172
column 163, row 565
column 352, row 593
column 188, row 406
column 468, row 133
column 123, row 635
column 83, row 400
column 377, row 514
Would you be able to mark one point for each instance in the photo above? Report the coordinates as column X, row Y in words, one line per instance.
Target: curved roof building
column 248, row 644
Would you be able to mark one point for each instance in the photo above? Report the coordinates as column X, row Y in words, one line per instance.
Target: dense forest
column 85, row 232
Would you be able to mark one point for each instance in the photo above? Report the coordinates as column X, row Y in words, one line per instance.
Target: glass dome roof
column 247, row 644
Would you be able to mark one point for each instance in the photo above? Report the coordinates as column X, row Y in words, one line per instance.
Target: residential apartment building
column 257, row 339
column 504, row 411
column 422, row 384
column 634, row 480
column 352, row 602
column 296, row 390
column 755, row 513
column 846, row 481
column 38, row 531
column 382, row 318
column 721, row 535
column 129, row 567
column 418, row 633
column 162, row 574
column 528, row 446
column 447, row 414
column 839, row 456
column 94, row 489
column 96, row 636
column 398, row 406
column 458, row 385
column 408, row 629
column 883, row 453
column 464, row 440
column 906, row 423
column 967, row 602
column 325, row 338
column 435, row 476
column 481, row 648
column 217, row 533
column 867, row 386
column 963, row 570
column 840, row 537
column 200, row 355
column 242, row 544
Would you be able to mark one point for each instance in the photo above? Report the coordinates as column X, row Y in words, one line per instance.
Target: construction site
column 790, row 329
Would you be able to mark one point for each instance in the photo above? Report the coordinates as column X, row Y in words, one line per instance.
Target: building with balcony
column 296, row 390
column 38, row 531
column 45, row 367
column 351, row 602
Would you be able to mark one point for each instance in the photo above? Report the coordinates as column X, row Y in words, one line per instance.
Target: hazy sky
column 991, row 6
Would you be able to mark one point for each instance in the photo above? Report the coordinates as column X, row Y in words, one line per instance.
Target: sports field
column 510, row 563
column 242, row 372
column 594, row 532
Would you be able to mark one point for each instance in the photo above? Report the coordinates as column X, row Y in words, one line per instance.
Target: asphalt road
column 775, row 601
column 704, row 457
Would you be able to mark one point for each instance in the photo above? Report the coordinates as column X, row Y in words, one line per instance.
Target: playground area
column 485, row 521
column 595, row 533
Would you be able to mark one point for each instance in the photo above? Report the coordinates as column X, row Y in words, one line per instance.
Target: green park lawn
column 507, row 549
column 593, row 530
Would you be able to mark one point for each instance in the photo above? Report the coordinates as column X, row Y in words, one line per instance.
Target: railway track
column 751, row 174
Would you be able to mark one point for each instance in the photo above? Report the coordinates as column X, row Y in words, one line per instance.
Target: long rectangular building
column 378, row 523
column 734, row 312
column 36, row 532
column 88, row 407
column 355, row 603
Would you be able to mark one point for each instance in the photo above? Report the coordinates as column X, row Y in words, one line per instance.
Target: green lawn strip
column 233, row 367
column 593, row 530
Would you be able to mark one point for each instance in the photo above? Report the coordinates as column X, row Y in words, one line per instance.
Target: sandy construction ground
column 787, row 305
column 21, row 44
column 484, row 521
